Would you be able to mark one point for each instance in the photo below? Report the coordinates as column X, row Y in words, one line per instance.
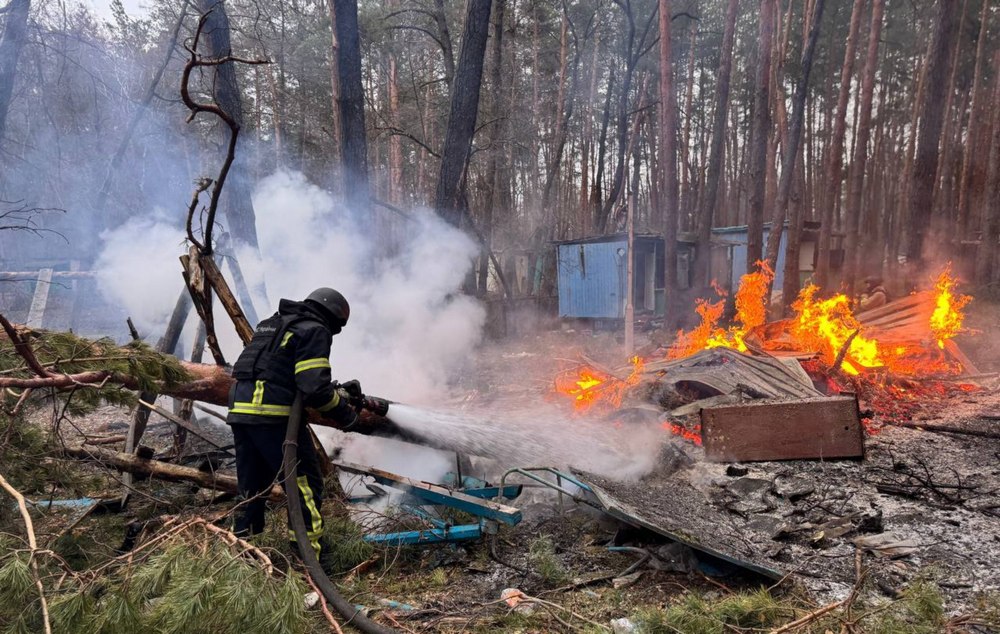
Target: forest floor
column 557, row 557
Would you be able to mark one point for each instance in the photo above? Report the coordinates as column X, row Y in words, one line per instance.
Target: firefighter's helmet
column 332, row 304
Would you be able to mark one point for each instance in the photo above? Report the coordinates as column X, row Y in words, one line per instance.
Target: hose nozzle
column 376, row 405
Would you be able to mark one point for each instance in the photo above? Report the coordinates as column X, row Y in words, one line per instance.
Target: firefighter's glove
column 343, row 414
column 353, row 389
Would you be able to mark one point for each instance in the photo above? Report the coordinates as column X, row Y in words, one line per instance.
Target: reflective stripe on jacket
column 289, row 351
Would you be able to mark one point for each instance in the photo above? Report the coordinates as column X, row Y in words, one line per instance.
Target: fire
column 589, row 387
column 828, row 325
column 751, row 312
column 947, row 318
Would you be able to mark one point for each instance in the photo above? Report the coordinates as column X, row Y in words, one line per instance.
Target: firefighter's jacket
column 289, row 351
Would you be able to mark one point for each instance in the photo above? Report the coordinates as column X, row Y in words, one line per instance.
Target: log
column 136, row 465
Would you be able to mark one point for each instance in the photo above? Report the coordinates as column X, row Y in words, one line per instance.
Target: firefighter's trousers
column 258, row 467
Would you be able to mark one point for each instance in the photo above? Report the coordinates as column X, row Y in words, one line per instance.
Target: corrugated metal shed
column 591, row 275
column 592, row 279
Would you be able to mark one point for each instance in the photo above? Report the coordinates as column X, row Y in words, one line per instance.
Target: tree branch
column 23, row 348
column 33, row 545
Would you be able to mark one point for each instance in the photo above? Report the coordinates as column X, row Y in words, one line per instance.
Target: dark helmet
column 332, row 304
column 873, row 280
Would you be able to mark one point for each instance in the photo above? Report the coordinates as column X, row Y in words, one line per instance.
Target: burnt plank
column 828, row 427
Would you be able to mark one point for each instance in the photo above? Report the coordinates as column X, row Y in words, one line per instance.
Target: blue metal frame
column 419, row 494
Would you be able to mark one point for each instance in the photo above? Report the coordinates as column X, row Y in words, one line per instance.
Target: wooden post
column 630, row 278
column 37, row 311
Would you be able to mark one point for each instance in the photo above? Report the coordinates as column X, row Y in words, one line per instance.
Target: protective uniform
column 289, row 352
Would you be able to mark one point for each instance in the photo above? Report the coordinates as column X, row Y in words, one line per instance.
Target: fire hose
column 309, row 557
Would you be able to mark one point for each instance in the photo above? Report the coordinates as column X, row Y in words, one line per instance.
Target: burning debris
column 890, row 353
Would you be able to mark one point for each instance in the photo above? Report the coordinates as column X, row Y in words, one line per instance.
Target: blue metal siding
column 595, row 287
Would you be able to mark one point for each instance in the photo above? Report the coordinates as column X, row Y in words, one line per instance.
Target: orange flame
column 827, row 325
column 751, row 312
column 589, row 388
column 947, row 318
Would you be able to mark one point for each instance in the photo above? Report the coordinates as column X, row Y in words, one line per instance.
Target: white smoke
column 138, row 269
column 410, row 330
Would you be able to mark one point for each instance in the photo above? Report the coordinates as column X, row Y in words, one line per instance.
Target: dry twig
column 32, row 544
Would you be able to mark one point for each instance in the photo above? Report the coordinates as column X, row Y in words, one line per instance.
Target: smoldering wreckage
column 840, row 454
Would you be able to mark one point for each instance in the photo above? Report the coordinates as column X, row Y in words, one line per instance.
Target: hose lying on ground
column 290, row 461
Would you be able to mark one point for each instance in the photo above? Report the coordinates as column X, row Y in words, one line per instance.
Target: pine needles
column 189, row 583
column 64, row 352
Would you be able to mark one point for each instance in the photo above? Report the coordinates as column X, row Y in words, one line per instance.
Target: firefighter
column 289, row 352
column 875, row 294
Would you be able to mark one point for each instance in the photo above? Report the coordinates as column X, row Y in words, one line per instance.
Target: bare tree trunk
column 668, row 166
column 497, row 198
column 938, row 210
column 588, row 144
column 238, row 205
column 445, row 40
column 354, row 144
column 14, row 35
column 395, row 142
column 929, row 137
column 450, row 196
column 859, row 161
column 790, row 154
column 990, row 218
column 335, row 129
column 597, row 187
column 687, row 208
column 714, row 175
column 759, row 134
column 970, row 159
column 630, row 60
column 836, row 158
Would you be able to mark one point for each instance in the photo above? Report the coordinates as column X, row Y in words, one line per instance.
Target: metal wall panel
column 592, row 280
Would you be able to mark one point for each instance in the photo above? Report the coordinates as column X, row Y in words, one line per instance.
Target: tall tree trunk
column 714, row 172
column 860, row 159
column 938, row 209
column 597, row 188
column 395, row 142
column 450, row 197
column 836, row 158
column 354, row 144
column 688, row 209
column 236, row 198
column 970, row 159
column 630, row 60
column 497, row 198
column 444, row 37
column 588, row 143
column 335, row 129
column 14, row 35
column 564, row 109
column 668, row 166
column 759, row 134
column 929, row 136
column 990, row 218
column 790, row 155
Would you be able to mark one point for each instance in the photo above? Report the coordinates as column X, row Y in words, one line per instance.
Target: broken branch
column 160, row 470
column 32, row 543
